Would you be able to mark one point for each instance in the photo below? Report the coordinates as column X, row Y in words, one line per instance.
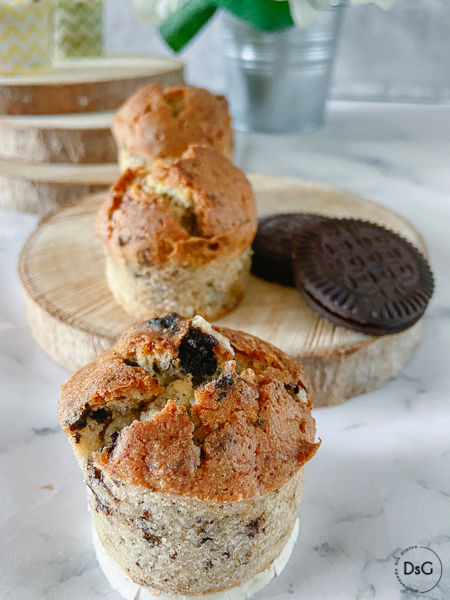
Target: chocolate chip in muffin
column 99, row 506
column 167, row 322
column 196, row 353
column 206, row 539
column 101, row 415
column 96, row 473
column 130, row 363
column 81, row 421
column 225, row 381
column 114, row 439
column 254, row 526
column 151, row 539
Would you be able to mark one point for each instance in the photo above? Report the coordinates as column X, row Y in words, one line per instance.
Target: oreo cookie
column 361, row 275
column 272, row 247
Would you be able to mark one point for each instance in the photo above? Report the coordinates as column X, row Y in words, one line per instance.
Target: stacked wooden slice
column 55, row 141
column 73, row 315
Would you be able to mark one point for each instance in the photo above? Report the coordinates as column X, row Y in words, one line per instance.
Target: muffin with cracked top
column 160, row 123
column 178, row 236
column 192, row 442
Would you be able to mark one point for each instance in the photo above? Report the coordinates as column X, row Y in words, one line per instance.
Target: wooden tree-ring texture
column 77, row 138
column 35, row 188
column 86, row 85
column 73, row 316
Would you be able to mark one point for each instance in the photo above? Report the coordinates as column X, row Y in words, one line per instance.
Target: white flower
column 386, row 4
column 303, row 11
column 155, row 12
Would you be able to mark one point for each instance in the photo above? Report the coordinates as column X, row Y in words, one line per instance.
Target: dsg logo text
column 418, row 569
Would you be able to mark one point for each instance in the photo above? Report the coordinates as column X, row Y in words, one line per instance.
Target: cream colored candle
column 78, row 28
column 25, row 36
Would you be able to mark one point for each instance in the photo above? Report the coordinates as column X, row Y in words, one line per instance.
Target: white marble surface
column 380, row 481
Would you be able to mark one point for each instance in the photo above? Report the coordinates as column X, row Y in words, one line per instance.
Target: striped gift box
column 26, row 29
column 78, row 28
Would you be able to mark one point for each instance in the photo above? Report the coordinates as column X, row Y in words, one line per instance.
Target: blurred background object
column 278, row 82
column 400, row 54
column 26, row 30
column 78, row 28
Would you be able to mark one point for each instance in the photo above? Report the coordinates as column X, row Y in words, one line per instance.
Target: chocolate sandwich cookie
column 362, row 276
column 272, row 246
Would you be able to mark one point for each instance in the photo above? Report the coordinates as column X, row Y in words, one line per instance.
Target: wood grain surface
column 41, row 188
column 86, row 85
column 75, row 138
column 73, row 316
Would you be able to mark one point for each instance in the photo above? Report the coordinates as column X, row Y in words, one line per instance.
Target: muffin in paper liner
column 192, row 442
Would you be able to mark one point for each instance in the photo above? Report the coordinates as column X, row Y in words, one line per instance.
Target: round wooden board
column 75, row 138
column 73, row 316
column 86, row 85
column 31, row 187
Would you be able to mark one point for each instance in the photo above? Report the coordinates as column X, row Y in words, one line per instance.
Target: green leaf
column 268, row 15
column 183, row 24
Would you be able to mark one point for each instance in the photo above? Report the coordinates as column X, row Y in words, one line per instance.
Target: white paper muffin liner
column 129, row 590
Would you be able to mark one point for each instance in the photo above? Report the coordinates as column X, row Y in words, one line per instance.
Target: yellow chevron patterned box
column 26, row 31
column 78, row 28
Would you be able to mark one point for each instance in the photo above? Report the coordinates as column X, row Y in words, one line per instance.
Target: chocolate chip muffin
column 159, row 122
column 192, row 442
column 178, row 236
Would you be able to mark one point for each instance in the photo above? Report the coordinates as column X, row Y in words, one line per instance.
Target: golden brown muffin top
column 162, row 123
column 189, row 211
column 181, row 408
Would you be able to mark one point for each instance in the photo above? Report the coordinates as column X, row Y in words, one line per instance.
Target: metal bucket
column 278, row 81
